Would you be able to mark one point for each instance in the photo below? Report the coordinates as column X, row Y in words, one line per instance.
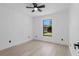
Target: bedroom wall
column 60, row 27
column 74, row 29
column 14, row 25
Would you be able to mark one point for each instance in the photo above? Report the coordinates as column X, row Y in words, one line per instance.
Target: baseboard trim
column 16, row 45
column 52, row 43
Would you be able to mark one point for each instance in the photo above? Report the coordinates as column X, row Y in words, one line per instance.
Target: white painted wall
column 14, row 25
column 60, row 27
column 74, row 28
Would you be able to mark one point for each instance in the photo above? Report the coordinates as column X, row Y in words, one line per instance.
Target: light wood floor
column 37, row 48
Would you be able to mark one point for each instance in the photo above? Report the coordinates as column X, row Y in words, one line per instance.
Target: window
column 47, row 27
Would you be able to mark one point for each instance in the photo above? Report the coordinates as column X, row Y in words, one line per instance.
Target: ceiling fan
column 36, row 7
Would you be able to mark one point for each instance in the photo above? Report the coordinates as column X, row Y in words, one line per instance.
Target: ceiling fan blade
column 42, row 6
column 39, row 10
column 34, row 4
column 29, row 7
column 33, row 10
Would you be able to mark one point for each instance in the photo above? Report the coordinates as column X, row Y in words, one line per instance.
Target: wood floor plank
column 37, row 48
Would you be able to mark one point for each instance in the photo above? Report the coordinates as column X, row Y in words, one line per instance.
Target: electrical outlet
column 28, row 36
column 13, row 46
column 36, row 36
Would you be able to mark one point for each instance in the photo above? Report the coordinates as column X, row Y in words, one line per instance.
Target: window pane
column 47, row 27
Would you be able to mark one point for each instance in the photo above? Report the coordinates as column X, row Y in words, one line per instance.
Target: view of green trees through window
column 47, row 27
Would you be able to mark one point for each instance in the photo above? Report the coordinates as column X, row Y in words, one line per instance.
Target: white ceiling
column 49, row 8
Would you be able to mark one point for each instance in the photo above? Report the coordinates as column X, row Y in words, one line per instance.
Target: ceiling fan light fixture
column 35, row 9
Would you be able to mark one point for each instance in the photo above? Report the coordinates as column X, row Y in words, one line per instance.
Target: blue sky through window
column 46, row 22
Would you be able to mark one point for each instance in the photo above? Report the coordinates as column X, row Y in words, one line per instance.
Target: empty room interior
column 39, row 29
